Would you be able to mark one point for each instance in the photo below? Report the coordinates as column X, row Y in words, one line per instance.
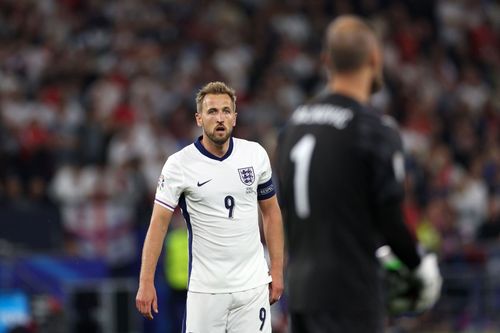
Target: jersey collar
column 208, row 154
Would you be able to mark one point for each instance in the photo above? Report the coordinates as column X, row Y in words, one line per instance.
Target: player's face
column 217, row 117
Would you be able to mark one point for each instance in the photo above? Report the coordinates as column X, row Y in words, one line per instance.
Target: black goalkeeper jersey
column 341, row 176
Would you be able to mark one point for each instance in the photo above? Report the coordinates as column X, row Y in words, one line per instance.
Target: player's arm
column 388, row 192
column 273, row 232
column 146, row 299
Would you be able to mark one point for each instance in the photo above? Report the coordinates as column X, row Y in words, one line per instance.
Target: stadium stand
column 95, row 94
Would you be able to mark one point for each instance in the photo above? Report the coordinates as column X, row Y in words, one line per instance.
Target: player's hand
column 430, row 278
column 146, row 300
column 275, row 287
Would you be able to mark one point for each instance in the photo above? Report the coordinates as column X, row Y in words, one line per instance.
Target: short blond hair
column 215, row 88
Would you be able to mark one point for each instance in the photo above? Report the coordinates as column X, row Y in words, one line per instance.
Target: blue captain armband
column 265, row 190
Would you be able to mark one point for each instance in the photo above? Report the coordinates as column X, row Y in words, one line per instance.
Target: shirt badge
column 247, row 175
column 161, row 182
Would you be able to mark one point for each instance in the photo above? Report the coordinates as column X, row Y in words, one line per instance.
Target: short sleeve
column 265, row 187
column 170, row 184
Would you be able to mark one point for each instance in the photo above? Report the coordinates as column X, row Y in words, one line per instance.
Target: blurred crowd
column 96, row 94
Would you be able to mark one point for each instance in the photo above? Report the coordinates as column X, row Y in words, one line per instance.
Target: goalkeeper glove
column 410, row 291
column 430, row 282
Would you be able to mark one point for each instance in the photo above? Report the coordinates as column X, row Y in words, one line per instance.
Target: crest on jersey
column 247, row 175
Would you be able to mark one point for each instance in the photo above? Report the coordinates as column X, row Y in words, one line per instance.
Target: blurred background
column 96, row 94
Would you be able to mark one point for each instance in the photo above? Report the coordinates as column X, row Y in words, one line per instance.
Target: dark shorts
column 325, row 322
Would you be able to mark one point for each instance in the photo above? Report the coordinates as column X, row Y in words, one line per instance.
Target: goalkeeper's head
column 352, row 49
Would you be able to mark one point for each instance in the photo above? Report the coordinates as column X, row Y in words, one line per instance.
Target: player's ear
column 197, row 116
column 235, row 116
column 325, row 60
column 375, row 58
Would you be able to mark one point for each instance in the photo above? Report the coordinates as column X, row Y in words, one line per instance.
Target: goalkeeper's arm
column 423, row 267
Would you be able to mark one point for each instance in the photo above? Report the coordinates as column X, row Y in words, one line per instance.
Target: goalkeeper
column 341, row 188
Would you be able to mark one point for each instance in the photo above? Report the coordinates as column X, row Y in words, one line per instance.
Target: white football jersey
column 219, row 200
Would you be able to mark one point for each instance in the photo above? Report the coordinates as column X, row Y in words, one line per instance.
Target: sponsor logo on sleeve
column 161, row 182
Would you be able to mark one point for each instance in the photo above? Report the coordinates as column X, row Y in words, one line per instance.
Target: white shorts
column 239, row 312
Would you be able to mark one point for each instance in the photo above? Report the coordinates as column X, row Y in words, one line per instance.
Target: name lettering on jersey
column 247, row 175
column 322, row 114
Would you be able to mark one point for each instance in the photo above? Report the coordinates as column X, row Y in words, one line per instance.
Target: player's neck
column 213, row 148
column 353, row 85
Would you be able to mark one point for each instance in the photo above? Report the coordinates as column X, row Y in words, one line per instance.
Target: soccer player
column 217, row 181
column 341, row 174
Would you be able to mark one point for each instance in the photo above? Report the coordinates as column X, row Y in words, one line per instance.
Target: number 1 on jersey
column 301, row 155
column 229, row 203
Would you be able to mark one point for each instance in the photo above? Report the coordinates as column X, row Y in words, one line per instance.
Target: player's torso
column 221, row 191
column 326, row 183
column 319, row 160
column 219, row 203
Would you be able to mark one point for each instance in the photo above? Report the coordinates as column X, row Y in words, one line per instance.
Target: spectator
column 76, row 75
